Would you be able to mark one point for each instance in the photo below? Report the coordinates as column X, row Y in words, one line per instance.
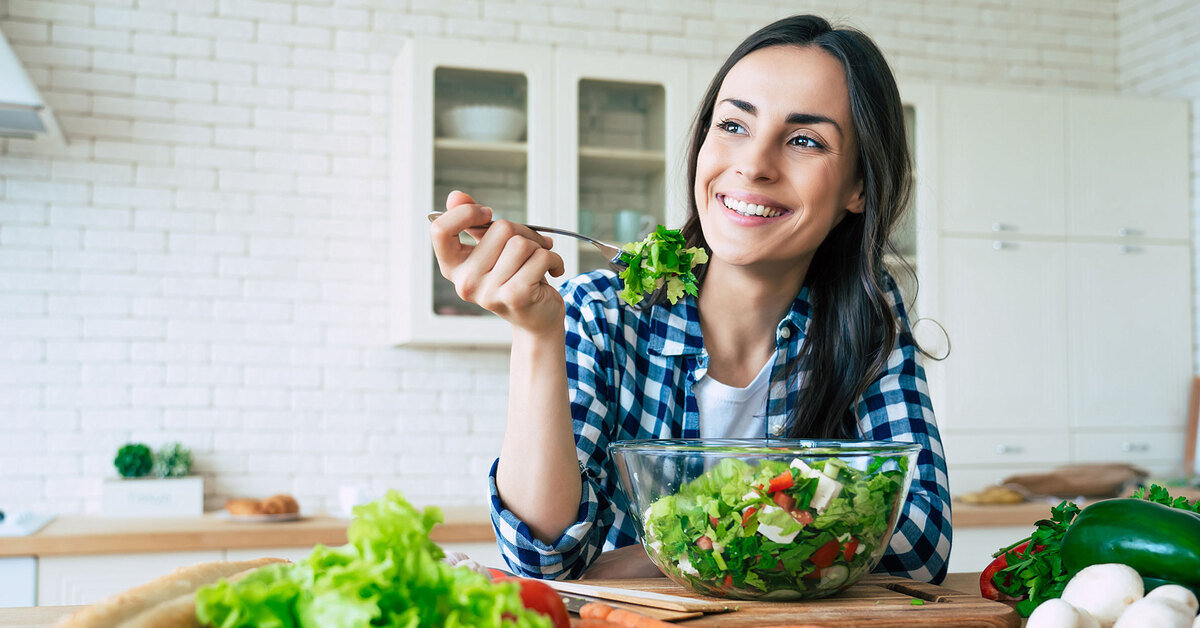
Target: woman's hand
column 505, row 273
column 630, row 561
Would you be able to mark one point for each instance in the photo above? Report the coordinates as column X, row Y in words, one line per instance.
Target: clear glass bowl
column 765, row 518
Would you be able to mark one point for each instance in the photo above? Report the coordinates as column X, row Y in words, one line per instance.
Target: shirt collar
column 675, row 329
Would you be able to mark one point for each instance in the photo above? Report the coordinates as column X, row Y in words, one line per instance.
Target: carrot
column 597, row 623
column 595, row 610
column 636, row 620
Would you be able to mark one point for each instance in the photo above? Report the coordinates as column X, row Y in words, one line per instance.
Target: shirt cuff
column 571, row 552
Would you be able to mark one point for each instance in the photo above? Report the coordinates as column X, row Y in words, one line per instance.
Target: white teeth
column 750, row 209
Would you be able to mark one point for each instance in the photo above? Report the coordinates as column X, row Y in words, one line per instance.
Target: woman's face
column 776, row 171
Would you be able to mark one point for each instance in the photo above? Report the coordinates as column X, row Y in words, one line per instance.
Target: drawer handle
column 1134, row 447
column 1009, row 449
column 999, row 246
column 999, row 226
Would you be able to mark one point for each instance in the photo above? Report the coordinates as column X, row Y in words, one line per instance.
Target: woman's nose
column 756, row 161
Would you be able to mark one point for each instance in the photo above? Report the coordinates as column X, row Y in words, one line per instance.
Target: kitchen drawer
column 1137, row 447
column 66, row 580
column 1006, row 449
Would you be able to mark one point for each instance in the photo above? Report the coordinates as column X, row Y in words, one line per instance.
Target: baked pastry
column 281, row 504
column 243, row 506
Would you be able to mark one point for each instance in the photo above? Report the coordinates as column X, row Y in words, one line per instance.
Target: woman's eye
column 730, row 126
column 806, row 142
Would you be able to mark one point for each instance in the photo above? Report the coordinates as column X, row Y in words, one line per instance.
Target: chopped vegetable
column 390, row 574
column 1036, row 572
column 657, row 260
column 725, row 533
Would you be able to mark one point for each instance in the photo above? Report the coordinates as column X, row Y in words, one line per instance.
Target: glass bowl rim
column 766, row 446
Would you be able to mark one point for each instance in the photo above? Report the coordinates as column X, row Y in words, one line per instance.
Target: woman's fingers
column 456, row 198
column 443, row 233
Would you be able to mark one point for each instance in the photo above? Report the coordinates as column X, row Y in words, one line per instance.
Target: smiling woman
column 797, row 174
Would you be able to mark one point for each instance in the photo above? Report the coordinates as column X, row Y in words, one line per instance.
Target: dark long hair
column 853, row 328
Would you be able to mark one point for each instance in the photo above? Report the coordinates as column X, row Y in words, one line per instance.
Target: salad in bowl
column 757, row 518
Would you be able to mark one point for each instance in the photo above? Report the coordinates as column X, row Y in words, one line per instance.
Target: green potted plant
column 153, row 483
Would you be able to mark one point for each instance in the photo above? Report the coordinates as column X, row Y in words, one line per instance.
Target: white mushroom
column 1183, row 595
column 1104, row 591
column 1156, row 612
column 1055, row 613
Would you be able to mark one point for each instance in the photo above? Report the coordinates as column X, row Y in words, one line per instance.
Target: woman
column 799, row 170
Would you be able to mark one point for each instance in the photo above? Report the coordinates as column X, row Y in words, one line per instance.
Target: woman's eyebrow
column 793, row 118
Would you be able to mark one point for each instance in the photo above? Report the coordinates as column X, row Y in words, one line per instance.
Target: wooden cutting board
column 878, row 601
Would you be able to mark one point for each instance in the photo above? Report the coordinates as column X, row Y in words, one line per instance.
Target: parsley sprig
column 1037, row 573
column 658, row 260
column 1159, row 495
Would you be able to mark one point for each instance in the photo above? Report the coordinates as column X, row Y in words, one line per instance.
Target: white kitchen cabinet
column 18, row 581
column 1000, row 158
column 1063, row 281
column 1131, row 352
column 602, row 135
column 1125, row 160
column 1003, row 309
column 65, row 580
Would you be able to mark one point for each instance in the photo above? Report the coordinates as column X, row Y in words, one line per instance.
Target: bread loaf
column 170, row 591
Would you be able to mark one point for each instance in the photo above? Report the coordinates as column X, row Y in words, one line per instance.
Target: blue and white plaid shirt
column 630, row 374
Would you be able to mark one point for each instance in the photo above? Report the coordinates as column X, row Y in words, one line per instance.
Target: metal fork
column 611, row 251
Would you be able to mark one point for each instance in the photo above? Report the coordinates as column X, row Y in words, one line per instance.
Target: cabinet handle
column 1009, row 449
column 1134, row 447
column 1125, row 232
column 1125, row 249
column 999, row 226
column 999, row 246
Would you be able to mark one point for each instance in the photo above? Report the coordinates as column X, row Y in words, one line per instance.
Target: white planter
column 153, row 497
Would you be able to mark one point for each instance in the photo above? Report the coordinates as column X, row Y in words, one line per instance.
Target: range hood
column 23, row 113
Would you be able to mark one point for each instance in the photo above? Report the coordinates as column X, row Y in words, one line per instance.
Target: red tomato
column 803, row 517
column 849, row 549
column 780, row 482
column 714, row 521
column 728, row 581
column 825, row 555
column 746, row 514
column 539, row 597
column 704, row 543
column 785, row 501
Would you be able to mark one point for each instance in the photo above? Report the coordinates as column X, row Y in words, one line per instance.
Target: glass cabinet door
column 622, row 163
column 479, row 147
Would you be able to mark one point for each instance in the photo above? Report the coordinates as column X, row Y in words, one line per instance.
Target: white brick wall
column 206, row 262
column 1158, row 53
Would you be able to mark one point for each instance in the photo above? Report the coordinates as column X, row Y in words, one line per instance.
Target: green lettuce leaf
column 660, row 259
column 389, row 574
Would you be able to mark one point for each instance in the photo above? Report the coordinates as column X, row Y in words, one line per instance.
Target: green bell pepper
column 1160, row 542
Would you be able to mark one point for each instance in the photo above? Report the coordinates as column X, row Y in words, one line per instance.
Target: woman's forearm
column 538, row 474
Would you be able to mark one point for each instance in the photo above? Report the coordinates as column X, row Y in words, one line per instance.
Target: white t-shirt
column 728, row 412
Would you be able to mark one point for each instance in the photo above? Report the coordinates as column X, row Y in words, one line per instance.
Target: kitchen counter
column 45, row 616
column 80, row 534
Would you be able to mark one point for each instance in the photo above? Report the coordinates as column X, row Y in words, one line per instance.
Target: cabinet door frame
column 412, row 319
column 570, row 67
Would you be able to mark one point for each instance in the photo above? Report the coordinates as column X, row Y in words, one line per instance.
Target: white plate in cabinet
column 989, row 182
column 1006, row 449
column 1140, row 189
column 1132, row 447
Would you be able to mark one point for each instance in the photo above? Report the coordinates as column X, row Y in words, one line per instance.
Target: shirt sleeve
column 896, row 407
column 588, row 357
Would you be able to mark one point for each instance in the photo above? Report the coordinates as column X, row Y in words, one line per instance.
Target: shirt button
column 786, row 332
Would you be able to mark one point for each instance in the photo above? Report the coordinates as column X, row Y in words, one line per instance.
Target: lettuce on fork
column 658, row 260
column 389, row 574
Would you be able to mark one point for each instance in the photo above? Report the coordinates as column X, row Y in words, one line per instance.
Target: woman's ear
column 857, row 202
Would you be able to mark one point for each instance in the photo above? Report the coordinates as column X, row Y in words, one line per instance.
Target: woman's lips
column 749, row 219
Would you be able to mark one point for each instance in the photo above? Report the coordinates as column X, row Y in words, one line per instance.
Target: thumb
column 456, row 198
